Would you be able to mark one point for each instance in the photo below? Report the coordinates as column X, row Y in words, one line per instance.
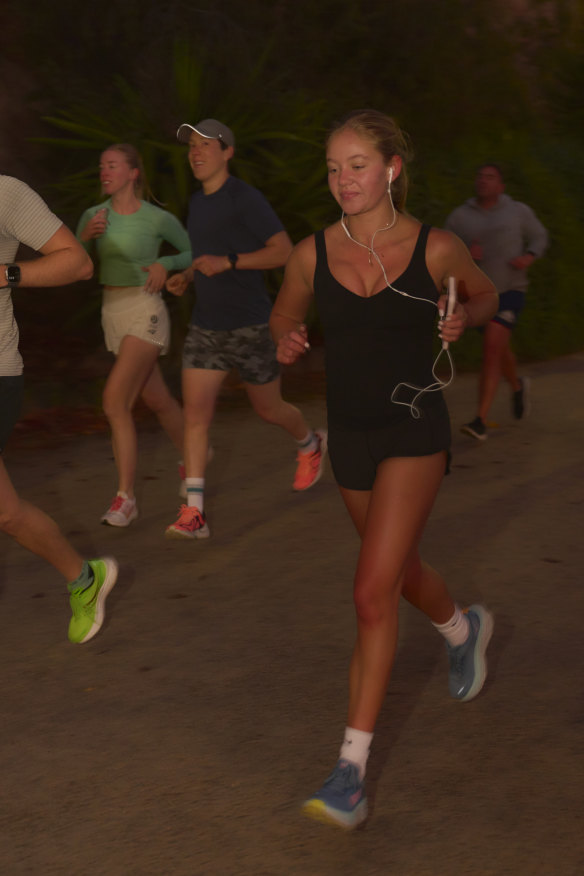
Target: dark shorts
column 510, row 306
column 249, row 350
column 355, row 454
column 11, row 392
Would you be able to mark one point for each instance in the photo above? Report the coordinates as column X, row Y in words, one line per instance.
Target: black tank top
column 372, row 344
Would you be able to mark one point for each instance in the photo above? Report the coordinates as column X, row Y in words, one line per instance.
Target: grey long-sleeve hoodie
column 505, row 231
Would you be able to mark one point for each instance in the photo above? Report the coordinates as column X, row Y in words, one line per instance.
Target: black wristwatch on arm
column 12, row 275
column 232, row 256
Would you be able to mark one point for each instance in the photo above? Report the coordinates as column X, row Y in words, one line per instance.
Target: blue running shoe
column 341, row 800
column 468, row 663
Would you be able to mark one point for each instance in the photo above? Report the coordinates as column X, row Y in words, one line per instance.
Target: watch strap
column 12, row 275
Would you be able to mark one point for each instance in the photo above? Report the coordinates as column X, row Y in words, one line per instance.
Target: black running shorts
column 11, row 392
column 511, row 304
column 355, row 454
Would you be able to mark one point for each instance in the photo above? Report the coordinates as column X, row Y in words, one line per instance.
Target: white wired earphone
column 451, row 303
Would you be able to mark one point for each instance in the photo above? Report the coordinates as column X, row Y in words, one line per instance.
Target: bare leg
column 132, row 369
column 200, row 390
column 158, row 398
column 426, row 590
column 268, row 403
column 398, row 506
column 422, row 586
column 35, row 530
column 496, row 348
column 509, row 366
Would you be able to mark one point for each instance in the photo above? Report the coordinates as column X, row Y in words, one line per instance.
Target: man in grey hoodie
column 504, row 237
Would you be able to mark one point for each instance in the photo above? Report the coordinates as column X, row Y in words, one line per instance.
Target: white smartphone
column 451, row 299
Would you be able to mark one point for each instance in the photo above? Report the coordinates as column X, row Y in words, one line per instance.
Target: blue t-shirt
column 236, row 218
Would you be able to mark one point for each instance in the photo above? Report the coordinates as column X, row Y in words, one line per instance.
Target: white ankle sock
column 195, row 492
column 456, row 630
column 308, row 444
column 355, row 748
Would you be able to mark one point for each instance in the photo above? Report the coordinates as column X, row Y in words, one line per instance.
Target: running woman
column 377, row 277
column 129, row 232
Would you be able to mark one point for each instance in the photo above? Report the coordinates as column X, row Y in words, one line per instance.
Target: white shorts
column 129, row 310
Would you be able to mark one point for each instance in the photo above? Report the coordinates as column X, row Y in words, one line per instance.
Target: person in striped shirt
column 25, row 218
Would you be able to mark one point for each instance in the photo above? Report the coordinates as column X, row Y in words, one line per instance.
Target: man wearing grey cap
column 235, row 236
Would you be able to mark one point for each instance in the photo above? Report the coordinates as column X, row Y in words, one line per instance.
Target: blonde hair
column 388, row 139
column 134, row 161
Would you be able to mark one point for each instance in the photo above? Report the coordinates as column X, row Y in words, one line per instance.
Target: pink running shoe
column 121, row 512
column 191, row 523
column 310, row 465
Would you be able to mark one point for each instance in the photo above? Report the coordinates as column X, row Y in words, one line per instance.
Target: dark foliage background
column 470, row 80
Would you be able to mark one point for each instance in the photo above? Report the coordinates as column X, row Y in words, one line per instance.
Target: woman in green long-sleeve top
column 128, row 232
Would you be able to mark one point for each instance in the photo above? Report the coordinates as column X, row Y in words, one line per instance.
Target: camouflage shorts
column 249, row 350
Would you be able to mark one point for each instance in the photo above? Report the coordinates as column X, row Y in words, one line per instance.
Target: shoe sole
column 111, row 576
column 526, row 386
column 319, row 811
column 129, row 520
column 179, row 535
column 323, row 435
column 480, row 655
column 466, row 430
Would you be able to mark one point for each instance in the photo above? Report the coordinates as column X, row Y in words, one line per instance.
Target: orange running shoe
column 310, row 465
column 191, row 523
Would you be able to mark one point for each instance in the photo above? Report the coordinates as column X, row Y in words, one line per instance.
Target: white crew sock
column 308, row 444
column 355, row 748
column 456, row 630
column 195, row 492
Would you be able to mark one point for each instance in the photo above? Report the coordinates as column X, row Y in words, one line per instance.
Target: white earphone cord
column 438, row 384
column 419, row 390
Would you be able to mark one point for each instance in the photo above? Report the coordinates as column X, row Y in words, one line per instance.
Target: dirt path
column 181, row 741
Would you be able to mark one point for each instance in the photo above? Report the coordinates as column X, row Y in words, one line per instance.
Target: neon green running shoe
column 88, row 606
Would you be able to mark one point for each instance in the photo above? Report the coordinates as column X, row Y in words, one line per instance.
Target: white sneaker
column 121, row 512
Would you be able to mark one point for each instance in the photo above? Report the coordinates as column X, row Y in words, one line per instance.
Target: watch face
column 12, row 275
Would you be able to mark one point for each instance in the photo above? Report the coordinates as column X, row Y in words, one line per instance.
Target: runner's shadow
column 416, row 662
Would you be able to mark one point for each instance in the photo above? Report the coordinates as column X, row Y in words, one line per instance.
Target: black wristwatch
column 12, row 275
column 232, row 256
